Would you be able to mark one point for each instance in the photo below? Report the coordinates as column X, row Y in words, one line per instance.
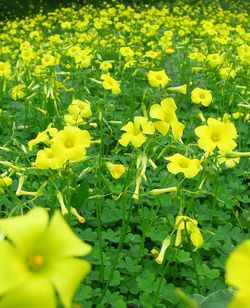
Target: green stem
column 124, row 228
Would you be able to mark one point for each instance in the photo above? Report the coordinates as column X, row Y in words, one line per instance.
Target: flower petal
column 156, row 112
column 162, row 127
column 35, row 293
column 66, row 276
column 25, row 231
column 61, row 241
column 238, row 266
column 13, row 270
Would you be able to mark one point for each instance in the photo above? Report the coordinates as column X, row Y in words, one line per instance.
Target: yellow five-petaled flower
column 38, row 259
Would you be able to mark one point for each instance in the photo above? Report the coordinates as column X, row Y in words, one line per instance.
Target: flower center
column 183, row 165
column 35, row 262
column 68, row 144
column 202, row 96
column 215, row 138
column 158, row 77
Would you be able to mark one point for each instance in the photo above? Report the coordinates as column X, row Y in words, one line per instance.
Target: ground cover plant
column 124, row 139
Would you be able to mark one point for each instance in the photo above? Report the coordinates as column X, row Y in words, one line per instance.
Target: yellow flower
column 230, row 162
column 39, row 260
column 169, row 51
column 48, row 158
column 126, row 52
column 215, row 59
column 166, row 113
column 152, row 54
column 227, row 72
column 244, row 54
column 17, row 92
column 183, row 223
column 73, row 120
column 5, row 181
column 105, row 66
column 165, row 244
column 72, row 141
column 116, row 170
column 181, row 89
column 43, row 136
column 201, row 96
column 216, row 134
column 238, row 274
column 158, row 79
column 179, row 163
column 135, row 132
column 5, row 69
column 110, row 83
column 80, row 108
column 48, row 60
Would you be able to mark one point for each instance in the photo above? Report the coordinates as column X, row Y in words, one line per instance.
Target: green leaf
column 218, row 299
column 120, row 304
column 183, row 256
column 80, row 195
column 146, row 281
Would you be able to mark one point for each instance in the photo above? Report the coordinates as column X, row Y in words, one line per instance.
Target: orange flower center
column 35, row 262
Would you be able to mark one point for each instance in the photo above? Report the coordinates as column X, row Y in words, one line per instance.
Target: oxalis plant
column 124, row 155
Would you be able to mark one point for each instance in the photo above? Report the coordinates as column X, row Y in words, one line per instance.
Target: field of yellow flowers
column 125, row 141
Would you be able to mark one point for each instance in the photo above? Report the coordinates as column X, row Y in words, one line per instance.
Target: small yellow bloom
column 244, row 54
column 72, row 142
column 183, row 223
column 227, row 72
column 110, row 83
column 135, row 132
column 215, row 59
column 158, row 79
column 5, row 69
column 216, row 134
column 105, row 66
column 152, row 54
column 17, row 92
column 238, row 274
column 201, row 96
column 48, row 60
column 179, row 163
column 165, row 244
column 126, row 52
column 80, row 108
column 165, row 112
column 229, row 162
column 116, row 170
column 5, row 181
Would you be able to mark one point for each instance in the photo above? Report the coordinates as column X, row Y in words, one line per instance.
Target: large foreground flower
column 135, row 132
column 165, row 112
column 216, row 134
column 37, row 259
column 238, row 274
